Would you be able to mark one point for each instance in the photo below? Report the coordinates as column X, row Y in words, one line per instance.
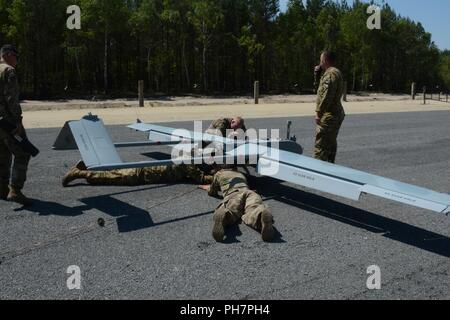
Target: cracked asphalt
column 157, row 242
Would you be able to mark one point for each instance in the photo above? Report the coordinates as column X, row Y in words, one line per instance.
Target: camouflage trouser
column 151, row 175
column 326, row 138
column 245, row 205
column 8, row 150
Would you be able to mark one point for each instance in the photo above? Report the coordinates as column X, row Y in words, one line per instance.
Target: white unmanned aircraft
column 282, row 160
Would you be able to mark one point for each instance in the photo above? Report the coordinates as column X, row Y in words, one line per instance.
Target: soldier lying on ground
column 154, row 175
column 239, row 203
column 224, row 124
column 141, row 176
column 232, row 128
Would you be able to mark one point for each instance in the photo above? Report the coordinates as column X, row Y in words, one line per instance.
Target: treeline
column 213, row 46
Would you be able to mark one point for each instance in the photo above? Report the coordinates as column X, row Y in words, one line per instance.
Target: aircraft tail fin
column 90, row 137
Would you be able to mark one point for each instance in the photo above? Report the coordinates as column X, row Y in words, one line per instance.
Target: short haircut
column 330, row 56
column 8, row 48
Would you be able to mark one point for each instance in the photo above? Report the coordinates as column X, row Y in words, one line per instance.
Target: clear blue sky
column 433, row 14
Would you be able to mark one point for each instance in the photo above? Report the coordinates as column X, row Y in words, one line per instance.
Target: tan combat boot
column 219, row 225
column 16, row 195
column 267, row 229
column 72, row 175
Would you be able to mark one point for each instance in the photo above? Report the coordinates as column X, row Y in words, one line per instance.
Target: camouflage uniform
column 221, row 125
column 331, row 113
column 317, row 77
column 142, row 176
column 239, row 203
column 10, row 109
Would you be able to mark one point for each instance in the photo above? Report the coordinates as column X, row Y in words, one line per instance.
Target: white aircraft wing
column 161, row 133
column 99, row 153
column 346, row 182
column 180, row 137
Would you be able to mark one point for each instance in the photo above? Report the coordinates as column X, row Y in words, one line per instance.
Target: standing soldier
column 329, row 112
column 239, row 203
column 11, row 184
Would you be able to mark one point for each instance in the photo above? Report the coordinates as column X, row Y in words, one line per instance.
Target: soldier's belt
column 237, row 189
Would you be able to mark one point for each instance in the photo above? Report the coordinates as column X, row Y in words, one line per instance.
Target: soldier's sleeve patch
column 326, row 83
column 328, row 80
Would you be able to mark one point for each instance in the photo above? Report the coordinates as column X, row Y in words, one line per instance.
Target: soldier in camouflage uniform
column 11, row 180
column 222, row 125
column 142, row 176
column 330, row 112
column 239, row 203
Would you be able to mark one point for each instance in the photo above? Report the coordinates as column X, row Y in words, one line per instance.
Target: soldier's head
column 327, row 59
column 237, row 123
column 10, row 55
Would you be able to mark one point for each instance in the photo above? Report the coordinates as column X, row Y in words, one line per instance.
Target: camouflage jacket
column 329, row 93
column 9, row 94
column 221, row 125
column 227, row 181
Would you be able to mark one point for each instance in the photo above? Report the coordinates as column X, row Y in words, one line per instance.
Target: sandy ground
column 35, row 117
column 184, row 101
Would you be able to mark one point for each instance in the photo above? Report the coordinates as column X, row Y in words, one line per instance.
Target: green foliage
column 213, row 46
column 444, row 69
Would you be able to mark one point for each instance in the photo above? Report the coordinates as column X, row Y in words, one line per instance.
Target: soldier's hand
column 318, row 122
column 318, row 68
column 204, row 187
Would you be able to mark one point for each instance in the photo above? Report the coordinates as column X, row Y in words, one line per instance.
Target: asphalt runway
column 157, row 241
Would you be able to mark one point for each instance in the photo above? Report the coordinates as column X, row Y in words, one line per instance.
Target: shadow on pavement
column 232, row 233
column 389, row 228
column 47, row 208
column 129, row 218
column 156, row 155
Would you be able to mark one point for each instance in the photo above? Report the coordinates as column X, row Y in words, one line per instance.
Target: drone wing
column 346, row 182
